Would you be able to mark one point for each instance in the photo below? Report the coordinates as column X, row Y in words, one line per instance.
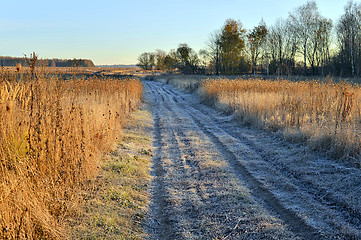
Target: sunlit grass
column 52, row 135
column 326, row 114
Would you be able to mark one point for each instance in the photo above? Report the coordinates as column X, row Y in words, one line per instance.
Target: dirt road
column 215, row 179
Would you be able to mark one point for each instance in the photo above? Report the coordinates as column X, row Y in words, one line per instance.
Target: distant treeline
column 118, row 66
column 305, row 43
column 12, row 61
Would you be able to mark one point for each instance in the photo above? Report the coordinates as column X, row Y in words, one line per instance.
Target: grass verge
column 116, row 201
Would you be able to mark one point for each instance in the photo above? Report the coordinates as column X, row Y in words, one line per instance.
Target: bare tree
column 203, row 59
column 304, row 22
column 188, row 60
column 282, row 46
column 324, row 41
column 319, row 42
column 256, row 39
column 160, row 56
column 146, row 60
column 214, row 50
column 170, row 61
column 349, row 39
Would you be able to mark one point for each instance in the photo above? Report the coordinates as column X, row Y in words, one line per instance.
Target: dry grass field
column 52, row 136
column 325, row 114
column 86, row 72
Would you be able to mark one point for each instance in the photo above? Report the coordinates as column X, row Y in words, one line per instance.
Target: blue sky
column 117, row 32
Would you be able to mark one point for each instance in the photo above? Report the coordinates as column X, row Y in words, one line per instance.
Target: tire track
column 350, row 214
column 168, row 228
column 296, row 224
column 347, row 228
column 163, row 227
column 320, row 194
column 176, row 115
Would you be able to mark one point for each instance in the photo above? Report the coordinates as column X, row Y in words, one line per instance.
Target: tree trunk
column 322, row 64
column 266, row 53
column 254, row 63
column 217, row 61
column 358, row 59
column 304, row 57
column 351, row 48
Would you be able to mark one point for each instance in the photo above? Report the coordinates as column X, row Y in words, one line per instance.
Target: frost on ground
column 116, row 201
column 215, row 179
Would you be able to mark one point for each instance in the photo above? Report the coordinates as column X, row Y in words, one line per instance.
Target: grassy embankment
column 325, row 114
column 53, row 134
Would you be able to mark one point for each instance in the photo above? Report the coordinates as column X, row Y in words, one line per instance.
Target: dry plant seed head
column 18, row 67
column 32, row 61
column 347, row 104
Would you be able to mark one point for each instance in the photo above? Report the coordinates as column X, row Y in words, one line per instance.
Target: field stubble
column 52, row 135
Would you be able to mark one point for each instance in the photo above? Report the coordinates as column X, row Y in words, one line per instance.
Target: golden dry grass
column 52, row 134
column 82, row 71
column 326, row 114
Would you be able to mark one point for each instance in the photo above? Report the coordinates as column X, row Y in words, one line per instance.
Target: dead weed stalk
column 52, row 134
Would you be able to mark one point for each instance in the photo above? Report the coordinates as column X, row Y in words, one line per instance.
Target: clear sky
column 116, row 32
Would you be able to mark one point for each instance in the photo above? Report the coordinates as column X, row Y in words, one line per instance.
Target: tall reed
column 52, row 134
column 326, row 114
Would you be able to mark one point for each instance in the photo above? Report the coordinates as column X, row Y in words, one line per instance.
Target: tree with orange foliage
column 232, row 42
